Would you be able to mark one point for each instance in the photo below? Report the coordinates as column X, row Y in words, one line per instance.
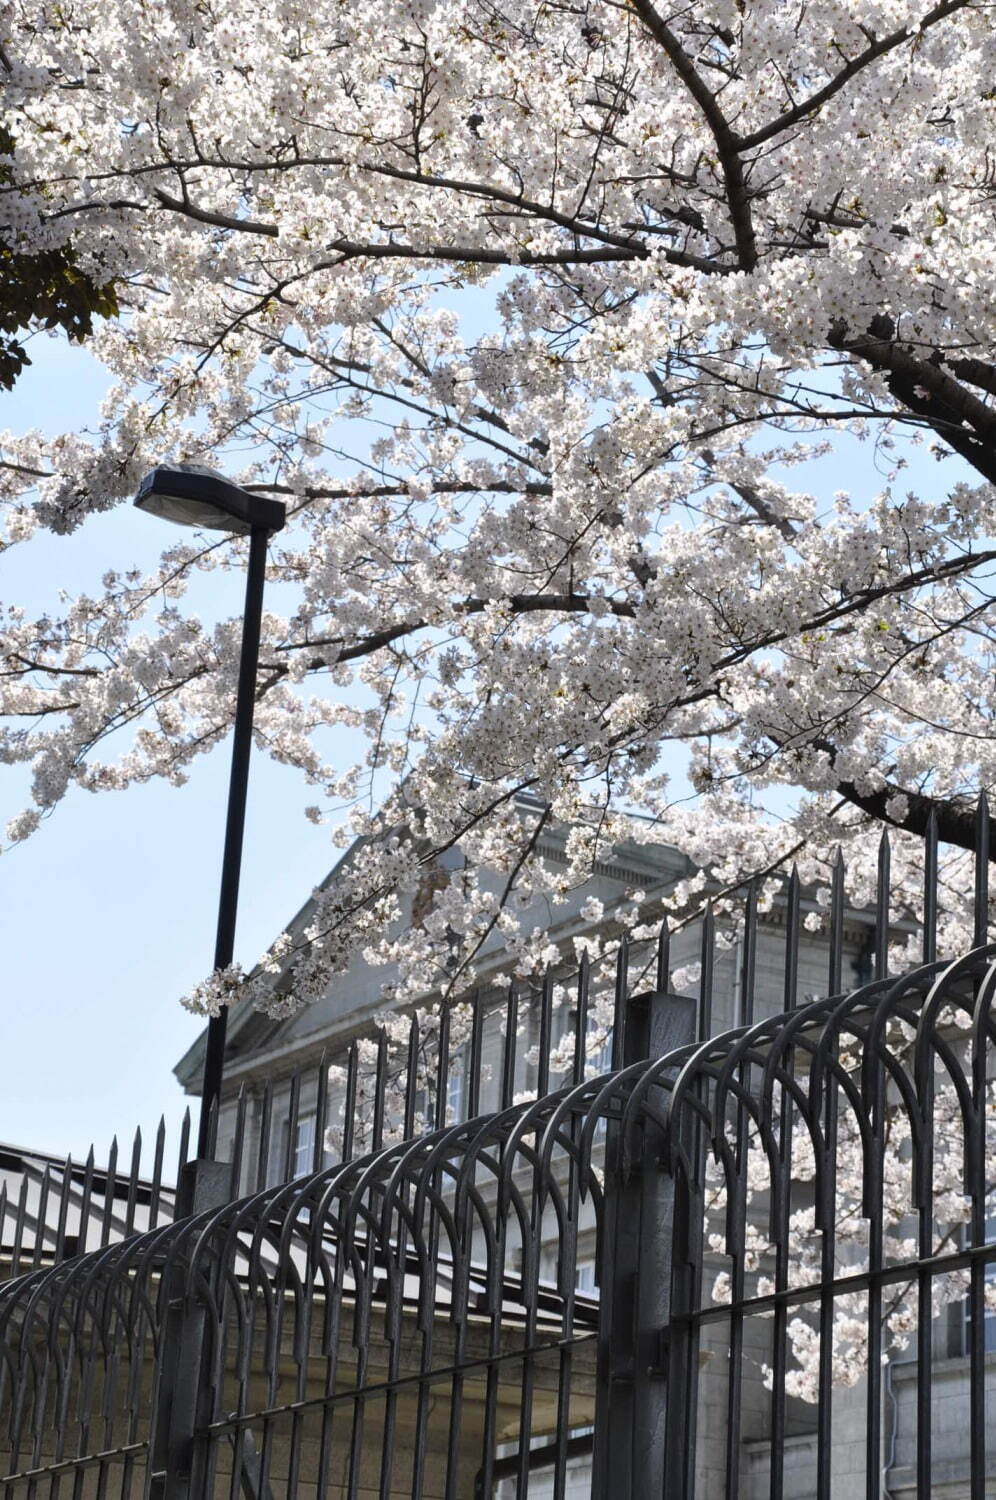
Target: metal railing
column 771, row 1215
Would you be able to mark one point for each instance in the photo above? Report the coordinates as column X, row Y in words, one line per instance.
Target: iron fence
column 726, row 1266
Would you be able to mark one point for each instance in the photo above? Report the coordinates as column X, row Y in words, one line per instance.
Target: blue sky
column 109, row 910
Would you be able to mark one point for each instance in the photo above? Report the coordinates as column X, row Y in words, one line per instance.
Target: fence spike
column 184, row 1147
column 509, row 1046
column 265, row 1127
column 211, row 1134
column 238, row 1140
column 619, row 1009
column 748, row 966
column 411, row 1082
column 476, row 1057
column 86, row 1201
column 321, row 1112
column 793, row 906
column 883, row 894
column 155, row 1193
column 581, row 1020
column 663, row 983
column 293, row 1114
column 706, row 970
column 349, row 1116
column 134, row 1173
column 19, row 1224
column 380, row 1090
column 835, row 973
column 545, row 1035
column 64, row 1192
column 442, row 1068
column 42, row 1217
column 110, row 1183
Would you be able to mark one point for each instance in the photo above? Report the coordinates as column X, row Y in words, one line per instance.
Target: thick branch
column 727, row 146
column 922, row 386
column 480, row 256
column 205, row 216
column 956, row 818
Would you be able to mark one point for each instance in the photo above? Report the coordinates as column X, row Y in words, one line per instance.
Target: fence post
column 635, row 1259
column 182, row 1395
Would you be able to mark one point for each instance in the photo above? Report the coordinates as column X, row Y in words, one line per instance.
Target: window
column 304, row 1146
column 584, row 1277
column 302, row 1156
column 455, row 1091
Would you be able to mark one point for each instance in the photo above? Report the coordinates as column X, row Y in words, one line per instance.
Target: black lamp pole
column 235, row 822
column 199, row 497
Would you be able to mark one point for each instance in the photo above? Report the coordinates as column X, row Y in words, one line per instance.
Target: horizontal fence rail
column 626, row 1257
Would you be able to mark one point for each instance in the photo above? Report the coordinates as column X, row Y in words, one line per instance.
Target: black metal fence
column 755, row 1264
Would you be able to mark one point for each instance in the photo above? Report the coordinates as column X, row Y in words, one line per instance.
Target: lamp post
column 194, row 496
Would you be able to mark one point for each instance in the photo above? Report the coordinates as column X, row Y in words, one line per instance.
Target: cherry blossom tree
column 532, row 313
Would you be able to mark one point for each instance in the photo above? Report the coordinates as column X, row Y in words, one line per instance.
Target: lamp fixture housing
column 192, row 495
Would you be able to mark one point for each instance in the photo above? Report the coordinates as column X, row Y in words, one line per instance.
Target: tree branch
column 727, row 145
column 205, row 216
column 877, row 49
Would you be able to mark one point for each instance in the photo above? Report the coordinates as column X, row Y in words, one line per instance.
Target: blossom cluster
column 539, row 319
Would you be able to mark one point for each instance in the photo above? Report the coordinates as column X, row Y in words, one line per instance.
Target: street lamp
column 194, row 496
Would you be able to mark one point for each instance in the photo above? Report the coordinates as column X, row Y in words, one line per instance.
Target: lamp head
column 192, row 495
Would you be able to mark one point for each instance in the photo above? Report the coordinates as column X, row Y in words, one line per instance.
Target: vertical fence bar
column 134, row 1174
column 64, row 1194
column 873, row 1211
column 748, row 966
column 411, row 1081
column 265, row 1125
column 981, row 934
column 930, row 874
column 20, row 1219
column 156, row 1187
column 781, row 1210
column 110, row 1188
column 349, row 1105
column 293, row 1111
column 509, row 1046
column 545, row 1036
column 663, row 982
column 883, row 891
column 43, row 1193
column 707, row 964
column 924, row 1204
column 380, row 1091
column 790, row 977
column 442, row 1099
column 635, row 1261
column 619, row 1003
column 835, row 957
column 321, row 1112
column 474, row 1064
column 736, row 1240
column 238, row 1142
column 581, row 1021
column 183, row 1147
column 826, row 1209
